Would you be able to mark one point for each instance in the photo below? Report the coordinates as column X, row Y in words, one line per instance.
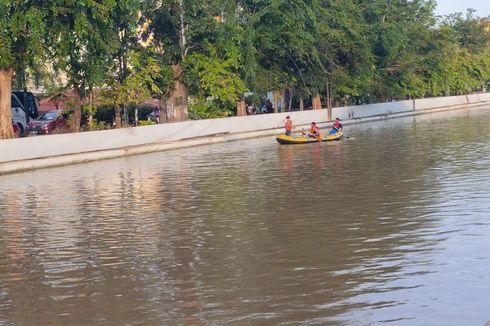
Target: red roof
column 56, row 102
column 59, row 101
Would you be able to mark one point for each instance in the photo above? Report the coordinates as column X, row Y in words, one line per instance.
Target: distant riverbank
column 29, row 153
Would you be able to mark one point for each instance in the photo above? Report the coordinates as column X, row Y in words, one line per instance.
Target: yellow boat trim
column 283, row 139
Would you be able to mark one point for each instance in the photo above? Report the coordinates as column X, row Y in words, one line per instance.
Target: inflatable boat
column 283, row 139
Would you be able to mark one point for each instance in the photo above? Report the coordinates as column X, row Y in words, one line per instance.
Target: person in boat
column 288, row 125
column 336, row 127
column 314, row 131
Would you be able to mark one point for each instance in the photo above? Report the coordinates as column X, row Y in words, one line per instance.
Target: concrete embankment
column 30, row 153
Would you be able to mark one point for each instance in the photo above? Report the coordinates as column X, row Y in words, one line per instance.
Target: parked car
column 16, row 129
column 29, row 103
column 47, row 123
column 19, row 116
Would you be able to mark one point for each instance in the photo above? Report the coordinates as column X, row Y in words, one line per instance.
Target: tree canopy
column 351, row 51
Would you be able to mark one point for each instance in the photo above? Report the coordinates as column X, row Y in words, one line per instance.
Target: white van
column 19, row 115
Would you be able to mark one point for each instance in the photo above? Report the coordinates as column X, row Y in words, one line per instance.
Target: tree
column 286, row 42
column 127, row 55
column 22, row 31
column 469, row 31
column 171, row 28
column 185, row 29
column 345, row 49
column 215, row 71
column 214, row 74
column 82, row 41
column 139, row 83
column 400, row 32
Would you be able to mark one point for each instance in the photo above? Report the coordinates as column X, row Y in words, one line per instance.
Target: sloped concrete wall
column 44, row 146
column 372, row 110
column 439, row 102
column 475, row 98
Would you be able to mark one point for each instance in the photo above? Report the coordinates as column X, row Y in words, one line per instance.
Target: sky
column 445, row 7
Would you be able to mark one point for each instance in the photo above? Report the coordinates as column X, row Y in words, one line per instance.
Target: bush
column 107, row 114
column 207, row 109
column 97, row 125
column 104, row 113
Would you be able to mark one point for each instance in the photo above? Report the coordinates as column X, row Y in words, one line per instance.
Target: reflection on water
column 389, row 226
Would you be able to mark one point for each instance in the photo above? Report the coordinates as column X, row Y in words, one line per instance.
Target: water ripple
column 390, row 227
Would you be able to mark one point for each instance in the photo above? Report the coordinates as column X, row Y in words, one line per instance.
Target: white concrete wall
column 52, row 145
column 371, row 110
column 131, row 140
column 439, row 102
column 475, row 98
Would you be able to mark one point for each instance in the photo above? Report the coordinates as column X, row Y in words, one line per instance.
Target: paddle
column 319, row 137
column 345, row 135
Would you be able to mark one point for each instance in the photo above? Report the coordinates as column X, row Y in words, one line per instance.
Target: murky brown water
column 391, row 226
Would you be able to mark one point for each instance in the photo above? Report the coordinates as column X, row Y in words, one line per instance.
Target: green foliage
column 22, row 28
column 207, row 109
column 139, row 82
column 287, row 35
column 253, row 99
column 215, row 75
column 97, row 125
column 468, row 31
column 362, row 50
column 82, row 40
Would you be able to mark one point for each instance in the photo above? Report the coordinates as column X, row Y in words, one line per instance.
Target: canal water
column 390, row 226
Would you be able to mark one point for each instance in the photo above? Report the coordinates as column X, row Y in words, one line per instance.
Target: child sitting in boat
column 288, row 125
column 314, row 131
column 336, row 127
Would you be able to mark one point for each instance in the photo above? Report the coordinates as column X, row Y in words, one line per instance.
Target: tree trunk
column 117, row 116
column 182, row 36
column 283, row 101
column 275, row 100
column 6, row 130
column 125, row 119
column 76, row 117
column 183, row 113
column 90, row 121
column 241, row 109
column 162, row 106
column 179, row 96
column 329, row 101
column 301, row 104
column 317, row 103
column 91, row 106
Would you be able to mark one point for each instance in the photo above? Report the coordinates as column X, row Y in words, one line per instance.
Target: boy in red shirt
column 336, row 127
column 288, row 125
